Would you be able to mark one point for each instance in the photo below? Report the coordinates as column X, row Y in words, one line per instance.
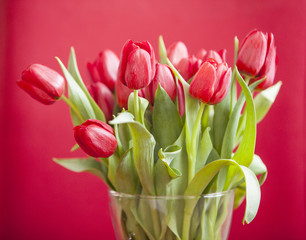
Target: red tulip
column 218, row 56
column 137, row 64
column 165, row 78
column 96, row 138
column 176, row 52
column 188, row 67
column 269, row 68
column 257, row 57
column 104, row 98
column 123, row 93
column 42, row 83
column 252, row 53
column 211, row 83
column 104, row 69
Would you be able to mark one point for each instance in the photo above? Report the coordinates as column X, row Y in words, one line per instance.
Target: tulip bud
column 165, row 78
column 176, row 52
column 269, row 68
column 96, row 138
column 104, row 69
column 252, row 53
column 211, row 83
column 137, row 64
column 201, row 53
column 42, row 83
column 104, row 98
column 257, row 57
column 188, row 67
column 218, row 56
column 123, row 93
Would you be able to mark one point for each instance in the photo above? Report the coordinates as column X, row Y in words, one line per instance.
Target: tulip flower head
column 188, row 67
column 176, row 52
column 104, row 69
column 137, row 65
column 211, row 82
column 96, row 138
column 165, row 78
column 42, row 83
column 123, row 93
column 257, row 57
column 104, row 98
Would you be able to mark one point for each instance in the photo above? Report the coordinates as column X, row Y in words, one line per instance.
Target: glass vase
column 141, row 217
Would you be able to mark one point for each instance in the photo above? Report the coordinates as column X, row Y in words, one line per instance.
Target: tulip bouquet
column 177, row 127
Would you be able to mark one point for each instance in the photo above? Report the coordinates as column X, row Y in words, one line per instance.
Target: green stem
column 73, row 108
column 194, row 139
column 136, row 106
column 186, row 226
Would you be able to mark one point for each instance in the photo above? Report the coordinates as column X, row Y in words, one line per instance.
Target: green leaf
column 259, row 168
column 77, row 97
column 191, row 107
column 231, row 129
column 167, row 123
column 75, row 147
column 113, row 162
column 177, row 187
column 74, row 71
column 204, row 150
column 162, row 50
column 127, row 178
column 221, row 118
column 167, row 156
column 265, row 99
column 206, row 174
column 142, row 103
column 245, row 152
column 143, row 150
column 90, row 165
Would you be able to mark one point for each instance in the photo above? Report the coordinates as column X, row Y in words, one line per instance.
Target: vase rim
column 207, row 195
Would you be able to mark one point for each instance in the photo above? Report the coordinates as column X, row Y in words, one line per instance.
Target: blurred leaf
column 167, row 123
column 162, row 50
column 259, row 168
column 74, row 71
column 75, row 147
column 78, row 98
column 90, row 165
column 265, row 99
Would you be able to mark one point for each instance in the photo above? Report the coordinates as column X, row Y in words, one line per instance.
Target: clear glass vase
column 142, row 217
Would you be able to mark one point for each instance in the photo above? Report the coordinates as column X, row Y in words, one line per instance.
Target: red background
column 41, row 200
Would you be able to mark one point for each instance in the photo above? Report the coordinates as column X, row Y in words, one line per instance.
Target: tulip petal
column 138, row 69
column 176, row 52
column 252, row 53
column 128, row 47
column 202, row 85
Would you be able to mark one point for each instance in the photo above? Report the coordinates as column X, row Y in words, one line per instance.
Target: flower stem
column 136, row 106
column 194, row 138
column 73, row 107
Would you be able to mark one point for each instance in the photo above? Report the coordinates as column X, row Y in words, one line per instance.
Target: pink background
column 41, row 200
